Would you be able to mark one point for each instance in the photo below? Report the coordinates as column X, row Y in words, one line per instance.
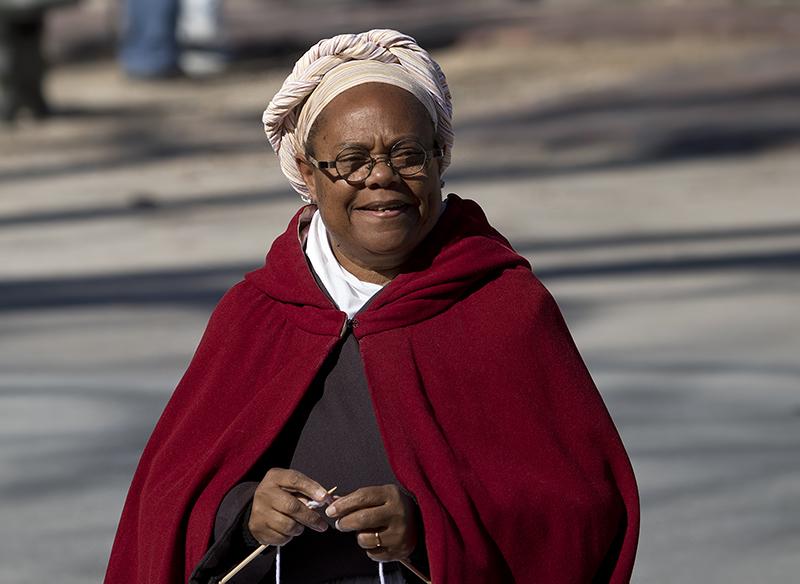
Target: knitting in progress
column 311, row 505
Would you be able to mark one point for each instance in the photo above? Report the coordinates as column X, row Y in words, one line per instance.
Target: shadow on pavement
column 146, row 205
column 140, row 147
column 72, row 461
column 660, row 119
column 653, row 120
column 204, row 286
column 662, row 237
column 787, row 260
column 648, row 98
column 192, row 286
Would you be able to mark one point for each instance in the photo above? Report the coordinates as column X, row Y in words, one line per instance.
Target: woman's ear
column 307, row 172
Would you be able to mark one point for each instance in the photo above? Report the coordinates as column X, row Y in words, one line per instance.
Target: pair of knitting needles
column 257, row 552
column 311, row 504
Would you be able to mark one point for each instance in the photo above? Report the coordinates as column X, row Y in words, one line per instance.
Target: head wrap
column 340, row 63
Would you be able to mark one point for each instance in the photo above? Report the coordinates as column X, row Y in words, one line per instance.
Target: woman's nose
column 382, row 174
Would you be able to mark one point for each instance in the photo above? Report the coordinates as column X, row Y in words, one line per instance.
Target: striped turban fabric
column 344, row 61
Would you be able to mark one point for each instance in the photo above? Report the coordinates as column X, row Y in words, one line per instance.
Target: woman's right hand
column 278, row 513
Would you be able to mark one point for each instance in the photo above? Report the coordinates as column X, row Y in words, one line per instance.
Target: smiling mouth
column 390, row 206
column 386, row 209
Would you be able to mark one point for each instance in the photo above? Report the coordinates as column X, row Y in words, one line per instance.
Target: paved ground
column 652, row 183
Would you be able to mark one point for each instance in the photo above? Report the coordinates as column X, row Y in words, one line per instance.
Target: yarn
column 316, row 505
column 380, row 573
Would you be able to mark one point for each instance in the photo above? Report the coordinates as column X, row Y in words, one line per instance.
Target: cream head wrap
column 335, row 65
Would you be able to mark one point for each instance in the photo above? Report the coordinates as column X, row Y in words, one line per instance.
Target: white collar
column 348, row 292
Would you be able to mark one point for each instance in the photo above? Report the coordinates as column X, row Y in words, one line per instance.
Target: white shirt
column 348, row 292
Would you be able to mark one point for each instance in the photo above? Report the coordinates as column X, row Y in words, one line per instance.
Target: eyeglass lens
column 355, row 164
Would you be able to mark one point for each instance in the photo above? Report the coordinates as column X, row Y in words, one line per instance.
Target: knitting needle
column 243, row 563
column 416, row 572
column 258, row 550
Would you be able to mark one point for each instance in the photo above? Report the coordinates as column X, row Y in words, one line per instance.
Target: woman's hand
column 278, row 514
column 383, row 510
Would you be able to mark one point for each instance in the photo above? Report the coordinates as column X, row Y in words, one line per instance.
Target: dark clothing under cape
column 487, row 413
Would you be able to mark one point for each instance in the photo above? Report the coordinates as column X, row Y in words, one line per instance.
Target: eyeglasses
column 354, row 165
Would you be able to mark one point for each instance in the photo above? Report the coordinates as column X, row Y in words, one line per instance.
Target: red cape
column 488, row 415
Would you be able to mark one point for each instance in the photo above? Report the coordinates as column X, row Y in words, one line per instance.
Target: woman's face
column 374, row 116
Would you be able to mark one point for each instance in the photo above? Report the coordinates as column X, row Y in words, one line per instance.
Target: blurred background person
column 22, row 63
column 201, row 38
column 166, row 38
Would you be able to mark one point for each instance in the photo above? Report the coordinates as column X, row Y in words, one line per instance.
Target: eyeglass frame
column 430, row 155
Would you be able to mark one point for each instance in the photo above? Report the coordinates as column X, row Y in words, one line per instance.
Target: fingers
column 286, row 504
column 278, row 481
column 295, row 482
column 375, row 541
column 278, row 514
column 386, row 551
column 274, row 528
column 270, row 537
column 383, row 517
column 372, row 518
column 396, row 543
column 362, row 498
column 264, row 528
column 271, row 526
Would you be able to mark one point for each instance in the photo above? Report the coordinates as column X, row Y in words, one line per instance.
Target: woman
column 394, row 346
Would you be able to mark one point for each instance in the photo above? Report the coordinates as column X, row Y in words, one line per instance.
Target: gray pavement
column 653, row 185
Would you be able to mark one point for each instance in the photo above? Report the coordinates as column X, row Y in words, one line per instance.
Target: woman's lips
column 386, row 211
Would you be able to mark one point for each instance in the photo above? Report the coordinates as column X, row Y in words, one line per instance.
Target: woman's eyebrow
column 351, row 144
column 364, row 145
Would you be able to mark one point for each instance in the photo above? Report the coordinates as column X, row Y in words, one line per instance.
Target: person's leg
column 31, row 64
column 22, row 65
column 9, row 97
column 149, row 47
column 201, row 38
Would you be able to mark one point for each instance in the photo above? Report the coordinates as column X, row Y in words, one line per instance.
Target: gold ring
column 378, row 539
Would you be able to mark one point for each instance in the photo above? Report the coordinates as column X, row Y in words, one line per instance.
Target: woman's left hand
column 384, row 517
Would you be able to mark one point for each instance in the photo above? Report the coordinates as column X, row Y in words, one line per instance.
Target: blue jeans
column 149, row 45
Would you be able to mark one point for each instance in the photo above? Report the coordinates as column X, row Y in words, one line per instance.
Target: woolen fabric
column 333, row 436
column 487, row 413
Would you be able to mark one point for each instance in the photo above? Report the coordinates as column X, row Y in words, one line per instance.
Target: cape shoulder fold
column 491, row 419
column 488, row 415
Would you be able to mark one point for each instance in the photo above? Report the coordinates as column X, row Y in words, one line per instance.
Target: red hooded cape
column 488, row 415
